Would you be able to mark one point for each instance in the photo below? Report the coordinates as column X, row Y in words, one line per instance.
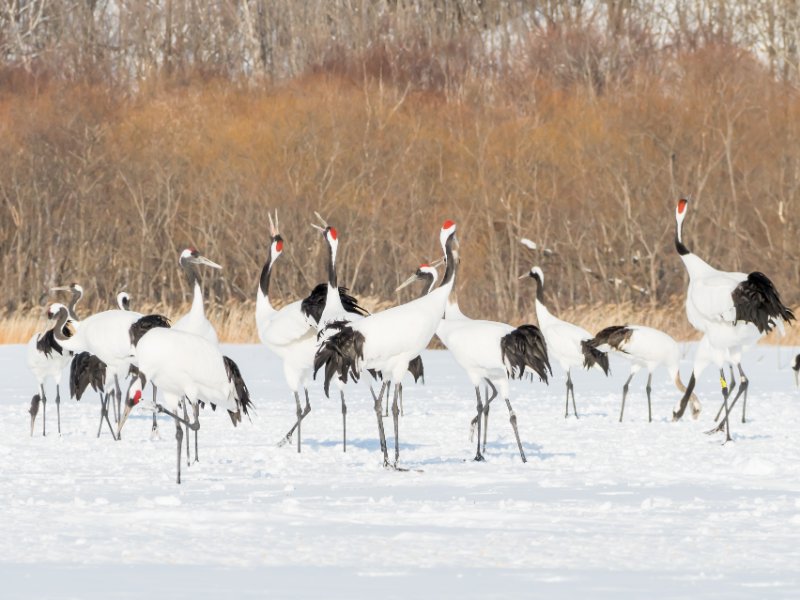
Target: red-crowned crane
column 567, row 344
column 47, row 359
column 493, row 352
column 428, row 275
column 188, row 369
column 732, row 309
column 291, row 332
column 387, row 341
column 644, row 348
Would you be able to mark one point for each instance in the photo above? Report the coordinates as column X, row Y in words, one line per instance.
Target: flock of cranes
column 328, row 334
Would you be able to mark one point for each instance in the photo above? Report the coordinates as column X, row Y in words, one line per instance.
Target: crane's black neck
column 429, row 280
column 263, row 281
column 61, row 320
column 679, row 245
column 76, row 297
column 539, row 288
column 190, row 270
column 450, row 260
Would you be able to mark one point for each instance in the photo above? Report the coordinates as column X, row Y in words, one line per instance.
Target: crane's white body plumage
column 184, row 364
column 563, row 338
column 43, row 366
column 106, row 335
column 396, row 335
column 648, row 348
column 475, row 345
column 287, row 333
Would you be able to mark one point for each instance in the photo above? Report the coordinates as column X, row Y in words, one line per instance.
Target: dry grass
column 235, row 321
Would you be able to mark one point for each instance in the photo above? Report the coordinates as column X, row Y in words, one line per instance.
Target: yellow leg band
column 723, row 383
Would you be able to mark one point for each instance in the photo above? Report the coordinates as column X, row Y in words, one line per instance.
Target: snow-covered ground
column 601, row 509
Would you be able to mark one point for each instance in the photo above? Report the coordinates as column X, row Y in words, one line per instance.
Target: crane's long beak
column 407, row 282
column 202, row 260
column 318, row 228
column 60, row 288
column 124, row 418
column 321, row 220
column 524, row 275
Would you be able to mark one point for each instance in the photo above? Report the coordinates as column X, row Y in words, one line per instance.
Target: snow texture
column 601, row 510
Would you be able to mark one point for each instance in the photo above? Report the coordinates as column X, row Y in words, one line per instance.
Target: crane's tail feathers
column 592, row 356
column 242, row 394
column 614, row 337
column 145, row 324
column 525, row 348
column 417, row 369
column 340, row 354
column 86, row 369
column 757, row 301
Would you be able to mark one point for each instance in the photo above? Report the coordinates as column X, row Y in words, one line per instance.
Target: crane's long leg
column 301, row 414
column 108, row 421
column 731, row 387
column 154, row 430
column 479, row 408
column 570, row 390
column 566, row 406
column 745, row 383
column 58, row 407
column 44, row 410
column 118, row 406
column 388, row 391
column 396, row 420
column 726, row 422
column 648, row 389
column 379, row 415
column 513, row 418
column 401, row 399
column 34, row 410
column 197, row 422
column 487, row 402
column 489, row 384
column 102, row 412
column 624, row 395
column 179, row 439
column 185, row 401
column 344, row 422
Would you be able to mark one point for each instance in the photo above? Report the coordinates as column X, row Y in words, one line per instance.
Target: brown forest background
column 130, row 130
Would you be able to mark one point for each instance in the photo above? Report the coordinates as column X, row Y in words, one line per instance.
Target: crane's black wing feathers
column 757, row 301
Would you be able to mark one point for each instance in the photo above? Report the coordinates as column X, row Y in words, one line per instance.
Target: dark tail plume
column 240, row 387
column 86, row 369
column 340, row 355
column 417, row 369
column 592, row 356
column 525, row 347
column 757, row 301
column 614, row 336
